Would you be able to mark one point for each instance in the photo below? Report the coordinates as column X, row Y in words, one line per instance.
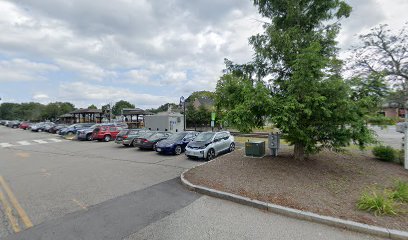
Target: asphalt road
column 59, row 189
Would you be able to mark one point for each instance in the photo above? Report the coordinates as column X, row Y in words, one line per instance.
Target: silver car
column 208, row 145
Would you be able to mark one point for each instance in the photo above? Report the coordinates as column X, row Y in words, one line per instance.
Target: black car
column 176, row 143
column 149, row 141
column 56, row 128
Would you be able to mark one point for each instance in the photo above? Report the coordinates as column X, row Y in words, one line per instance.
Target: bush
column 384, row 153
column 381, row 120
column 400, row 192
column 379, row 204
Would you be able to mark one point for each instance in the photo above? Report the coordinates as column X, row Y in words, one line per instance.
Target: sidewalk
column 326, row 185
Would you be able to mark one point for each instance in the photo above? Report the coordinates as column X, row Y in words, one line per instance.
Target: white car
column 208, row 145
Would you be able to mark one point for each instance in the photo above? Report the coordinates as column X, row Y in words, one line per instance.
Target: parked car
column 47, row 126
column 13, row 124
column 24, row 125
column 37, row 127
column 208, row 145
column 149, row 141
column 72, row 129
column 86, row 133
column 176, row 143
column 57, row 127
column 105, row 133
column 127, row 136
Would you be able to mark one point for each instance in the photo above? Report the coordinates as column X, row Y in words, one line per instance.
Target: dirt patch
column 328, row 183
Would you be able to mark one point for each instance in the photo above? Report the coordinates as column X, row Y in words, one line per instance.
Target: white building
column 165, row 121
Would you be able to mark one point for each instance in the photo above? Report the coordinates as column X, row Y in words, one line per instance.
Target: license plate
column 158, row 149
column 119, row 138
column 139, row 140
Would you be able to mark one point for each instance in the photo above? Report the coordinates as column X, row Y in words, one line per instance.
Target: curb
column 294, row 213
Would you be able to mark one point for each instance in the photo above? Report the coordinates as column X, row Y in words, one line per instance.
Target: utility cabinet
column 255, row 148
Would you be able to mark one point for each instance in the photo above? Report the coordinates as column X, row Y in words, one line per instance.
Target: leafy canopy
column 295, row 78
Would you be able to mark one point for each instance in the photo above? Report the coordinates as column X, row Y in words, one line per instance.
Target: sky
column 146, row 52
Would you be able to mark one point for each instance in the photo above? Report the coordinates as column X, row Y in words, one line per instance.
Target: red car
column 24, row 125
column 105, row 133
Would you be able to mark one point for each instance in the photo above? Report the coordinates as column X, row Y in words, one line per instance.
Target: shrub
column 384, row 153
column 400, row 159
column 400, row 192
column 381, row 120
column 379, row 204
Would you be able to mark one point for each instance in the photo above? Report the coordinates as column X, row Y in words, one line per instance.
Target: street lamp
column 182, row 101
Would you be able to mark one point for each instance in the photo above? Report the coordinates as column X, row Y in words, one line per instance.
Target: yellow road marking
column 23, row 215
column 9, row 213
column 80, row 204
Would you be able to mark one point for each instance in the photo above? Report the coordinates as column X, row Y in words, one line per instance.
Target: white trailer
column 172, row 122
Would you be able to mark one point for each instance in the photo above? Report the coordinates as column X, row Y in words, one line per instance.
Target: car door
column 217, row 143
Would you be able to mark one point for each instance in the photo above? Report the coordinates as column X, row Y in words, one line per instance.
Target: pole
column 184, row 112
column 406, row 137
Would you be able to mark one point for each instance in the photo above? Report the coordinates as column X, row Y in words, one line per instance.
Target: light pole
column 182, row 101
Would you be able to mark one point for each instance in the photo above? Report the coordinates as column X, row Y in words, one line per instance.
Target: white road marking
column 40, row 141
column 24, row 143
column 6, row 145
column 55, row 140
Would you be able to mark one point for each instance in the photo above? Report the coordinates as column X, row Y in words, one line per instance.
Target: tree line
column 34, row 111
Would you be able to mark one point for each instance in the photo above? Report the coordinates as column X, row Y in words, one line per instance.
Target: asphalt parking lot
column 52, row 188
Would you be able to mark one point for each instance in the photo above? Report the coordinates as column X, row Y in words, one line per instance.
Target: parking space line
column 24, row 143
column 40, row 141
column 9, row 213
column 23, row 215
column 55, row 140
column 6, row 145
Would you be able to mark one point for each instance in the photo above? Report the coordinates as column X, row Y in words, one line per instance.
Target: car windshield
column 177, row 136
column 155, row 136
column 203, row 137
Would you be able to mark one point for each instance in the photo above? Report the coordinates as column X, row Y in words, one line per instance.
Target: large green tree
column 117, row 108
column 309, row 101
column 242, row 102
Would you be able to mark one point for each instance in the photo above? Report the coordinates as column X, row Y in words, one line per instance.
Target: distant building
column 392, row 110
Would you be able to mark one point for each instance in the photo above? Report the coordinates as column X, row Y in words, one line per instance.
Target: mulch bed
column 327, row 183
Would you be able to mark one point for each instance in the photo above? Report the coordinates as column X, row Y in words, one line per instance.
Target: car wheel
column 107, row 138
column 134, row 143
column 177, row 150
column 89, row 137
column 210, row 154
column 154, row 147
column 232, row 147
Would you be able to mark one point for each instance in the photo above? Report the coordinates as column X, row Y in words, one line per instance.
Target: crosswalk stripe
column 40, row 141
column 24, row 143
column 6, row 145
column 55, row 140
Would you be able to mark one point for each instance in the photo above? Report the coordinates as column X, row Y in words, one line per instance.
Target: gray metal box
column 274, row 140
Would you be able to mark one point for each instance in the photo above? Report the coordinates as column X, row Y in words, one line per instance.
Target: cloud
column 86, row 69
column 40, row 96
column 163, row 49
column 82, row 92
column 16, row 70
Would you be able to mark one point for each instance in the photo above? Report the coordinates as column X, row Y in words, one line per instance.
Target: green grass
column 400, row 192
column 245, row 139
column 377, row 203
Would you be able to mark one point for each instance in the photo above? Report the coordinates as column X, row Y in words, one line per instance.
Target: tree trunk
column 299, row 151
